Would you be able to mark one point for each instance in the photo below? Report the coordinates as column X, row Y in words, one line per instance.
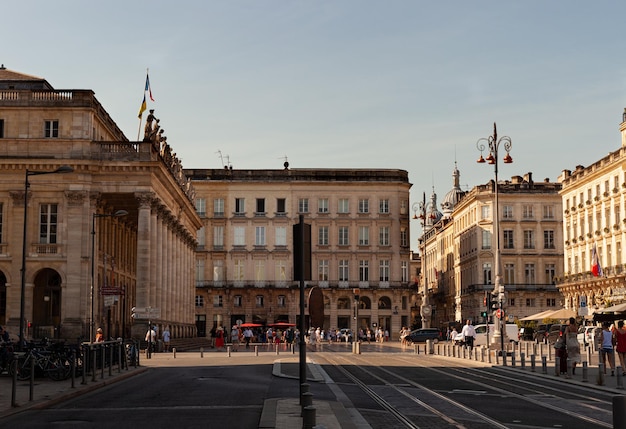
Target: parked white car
column 512, row 334
column 588, row 334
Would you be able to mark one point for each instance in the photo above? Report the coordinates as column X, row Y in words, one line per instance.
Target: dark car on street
column 526, row 334
column 423, row 334
column 554, row 333
column 541, row 332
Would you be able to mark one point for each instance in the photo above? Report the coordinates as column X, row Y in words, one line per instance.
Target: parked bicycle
column 48, row 363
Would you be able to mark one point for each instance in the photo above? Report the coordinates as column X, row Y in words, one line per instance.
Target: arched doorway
column 47, row 304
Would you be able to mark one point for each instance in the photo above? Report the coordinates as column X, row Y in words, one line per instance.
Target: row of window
column 343, row 303
column 323, row 270
column 580, row 199
column 575, row 227
column 528, row 212
column 304, row 206
column 529, row 273
column 531, row 302
column 574, row 264
column 508, row 241
column 280, row 236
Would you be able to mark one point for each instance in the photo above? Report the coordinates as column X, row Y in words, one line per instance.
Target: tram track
column 478, row 382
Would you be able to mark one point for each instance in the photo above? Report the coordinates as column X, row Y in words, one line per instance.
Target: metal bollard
column 544, row 365
column 620, row 379
column 174, row 352
column 513, row 359
column 256, row 350
column 228, row 350
column 522, row 357
column 557, row 366
column 585, row 371
column 619, row 412
column 31, row 394
column 14, row 384
column 532, row 363
column 308, row 417
column 306, row 400
column 201, row 352
column 600, row 379
column 277, row 350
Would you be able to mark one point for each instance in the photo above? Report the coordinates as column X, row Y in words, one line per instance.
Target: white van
column 512, row 334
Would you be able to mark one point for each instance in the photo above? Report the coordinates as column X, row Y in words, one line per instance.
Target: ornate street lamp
column 493, row 145
column 93, row 263
column 60, row 170
column 422, row 207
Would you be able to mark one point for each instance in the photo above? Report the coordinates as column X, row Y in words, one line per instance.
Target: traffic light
column 494, row 302
column 483, row 314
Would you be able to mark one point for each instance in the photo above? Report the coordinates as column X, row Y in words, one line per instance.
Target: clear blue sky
column 338, row 84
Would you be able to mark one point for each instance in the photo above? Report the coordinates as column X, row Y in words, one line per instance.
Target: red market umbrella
column 281, row 325
column 250, row 325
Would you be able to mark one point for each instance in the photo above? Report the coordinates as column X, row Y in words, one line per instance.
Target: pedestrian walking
column 620, row 345
column 469, row 334
column 234, row 337
column 166, row 339
column 571, row 343
column 607, row 340
column 219, row 338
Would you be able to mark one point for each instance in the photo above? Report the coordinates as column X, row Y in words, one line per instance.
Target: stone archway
column 46, row 304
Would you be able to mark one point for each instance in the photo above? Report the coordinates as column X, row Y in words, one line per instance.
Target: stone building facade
column 459, row 250
column 144, row 259
column 359, row 237
column 594, row 210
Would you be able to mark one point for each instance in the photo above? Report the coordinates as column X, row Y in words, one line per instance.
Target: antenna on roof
column 286, row 163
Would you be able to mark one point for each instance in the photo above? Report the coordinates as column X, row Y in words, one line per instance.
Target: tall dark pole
column 302, row 342
column 62, row 169
column 23, row 270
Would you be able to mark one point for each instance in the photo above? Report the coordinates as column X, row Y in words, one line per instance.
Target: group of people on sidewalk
column 611, row 339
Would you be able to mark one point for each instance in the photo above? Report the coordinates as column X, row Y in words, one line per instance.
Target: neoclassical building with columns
column 115, row 233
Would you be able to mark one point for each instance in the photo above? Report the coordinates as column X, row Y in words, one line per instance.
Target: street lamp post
column 93, row 263
column 422, row 207
column 493, row 145
column 28, row 173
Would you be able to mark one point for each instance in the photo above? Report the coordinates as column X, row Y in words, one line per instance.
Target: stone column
column 144, row 279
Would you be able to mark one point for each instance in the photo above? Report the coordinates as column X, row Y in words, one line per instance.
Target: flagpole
column 139, row 130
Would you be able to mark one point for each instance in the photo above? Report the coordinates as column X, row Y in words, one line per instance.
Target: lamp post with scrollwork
column 493, row 145
column 422, row 208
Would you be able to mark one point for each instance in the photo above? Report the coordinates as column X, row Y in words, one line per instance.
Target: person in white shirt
column 469, row 333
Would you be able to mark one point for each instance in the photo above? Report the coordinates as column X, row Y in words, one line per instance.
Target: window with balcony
column 383, row 271
column 550, row 273
column 240, row 206
column 487, row 273
column 239, row 236
column 527, row 211
column 218, row 207
column 281, row 204
column 529, row 274
column 486, row 239
column 343, row 270
column 48, row 222
column 364, row 270
column 259, row 236
column 322, row 270
column 201, row 207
